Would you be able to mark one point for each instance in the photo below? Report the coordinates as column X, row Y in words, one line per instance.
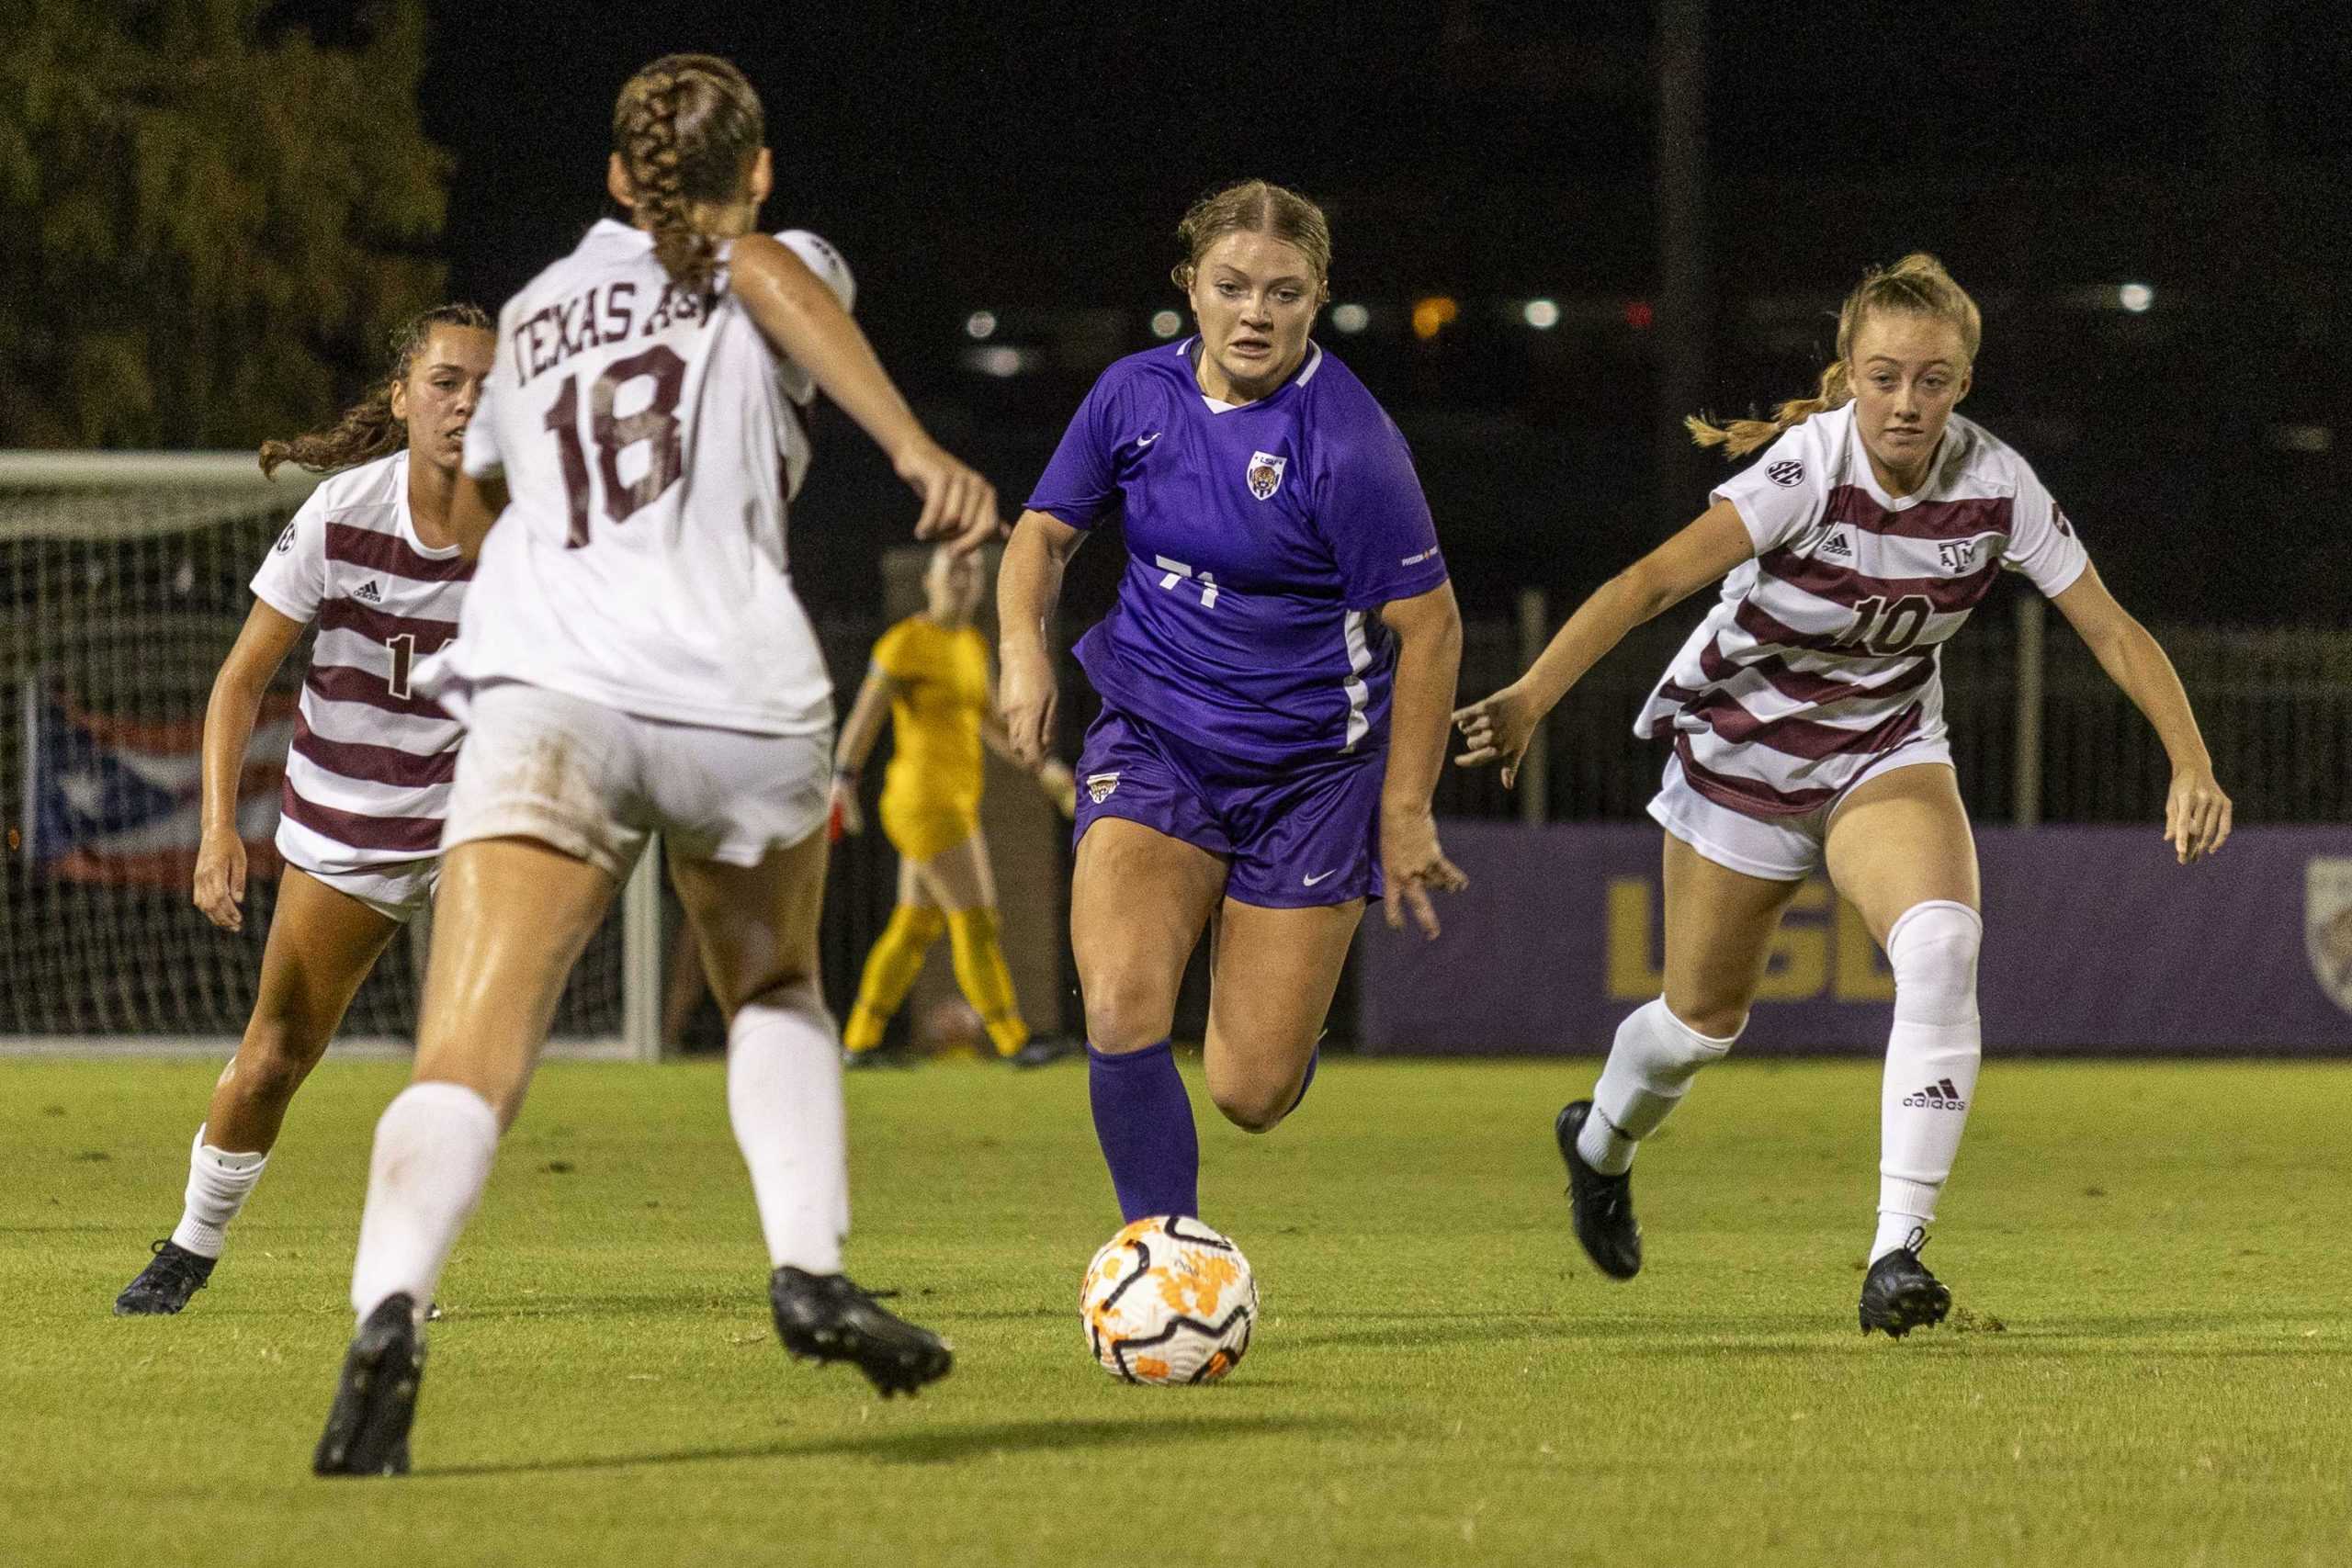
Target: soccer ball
column 1167, row 1300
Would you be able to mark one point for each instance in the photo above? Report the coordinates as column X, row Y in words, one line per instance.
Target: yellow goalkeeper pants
column 981, row 974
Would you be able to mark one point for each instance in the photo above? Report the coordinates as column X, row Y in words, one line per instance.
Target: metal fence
column 2039, row 731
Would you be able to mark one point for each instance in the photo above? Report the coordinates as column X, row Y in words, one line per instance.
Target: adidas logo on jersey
column 1943, row 1096
column 369, row 592
column 1837, row 546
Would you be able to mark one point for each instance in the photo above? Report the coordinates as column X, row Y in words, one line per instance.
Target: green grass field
column 2153, row 1365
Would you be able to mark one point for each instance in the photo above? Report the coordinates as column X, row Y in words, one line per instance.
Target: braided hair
column 685, row 129
column 368, row 429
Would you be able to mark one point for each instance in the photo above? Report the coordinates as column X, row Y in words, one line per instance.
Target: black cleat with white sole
column 165, row 1285
column 826, row 1317
column 376, row 1401
column 1601, row 1204
column 1899, row 1294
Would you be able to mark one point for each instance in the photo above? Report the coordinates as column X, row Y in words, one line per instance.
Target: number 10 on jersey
column 654, row 426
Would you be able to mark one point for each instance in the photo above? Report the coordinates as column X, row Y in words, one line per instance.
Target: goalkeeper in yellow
column 931, row 673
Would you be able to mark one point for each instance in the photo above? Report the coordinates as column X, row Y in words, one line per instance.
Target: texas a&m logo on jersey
column 1266, row 474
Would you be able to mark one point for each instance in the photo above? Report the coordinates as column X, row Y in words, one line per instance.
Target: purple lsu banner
column 2095, row 940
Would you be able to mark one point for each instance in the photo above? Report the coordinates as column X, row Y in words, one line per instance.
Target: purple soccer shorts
column 1293, row 835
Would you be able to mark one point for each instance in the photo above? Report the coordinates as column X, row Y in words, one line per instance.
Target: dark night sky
column 991, row 150
column 1014, row 156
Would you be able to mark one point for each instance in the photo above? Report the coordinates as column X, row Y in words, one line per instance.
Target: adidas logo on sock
column 369, row 592
column 1943, row 1096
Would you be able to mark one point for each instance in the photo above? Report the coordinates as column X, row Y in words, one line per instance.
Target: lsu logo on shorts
column 1100, row 786
column 1266, row 474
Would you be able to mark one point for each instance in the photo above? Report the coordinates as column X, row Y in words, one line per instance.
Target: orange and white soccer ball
column 1167, row 1300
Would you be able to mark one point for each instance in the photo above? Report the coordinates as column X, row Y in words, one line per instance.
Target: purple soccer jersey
column 1261, row 542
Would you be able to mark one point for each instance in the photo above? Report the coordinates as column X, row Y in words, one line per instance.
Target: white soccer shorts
column 1778, row 848
column 595, row 782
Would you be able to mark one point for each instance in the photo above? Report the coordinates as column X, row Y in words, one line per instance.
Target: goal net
column 124, row 578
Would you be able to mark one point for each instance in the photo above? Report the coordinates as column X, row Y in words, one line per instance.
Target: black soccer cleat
column 825, row 1317
column 375, row 1401
column 1899, row 1294
column 1602, row 1204
column 163, row 1286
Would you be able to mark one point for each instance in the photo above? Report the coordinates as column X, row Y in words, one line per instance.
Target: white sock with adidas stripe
column 1932, row 1055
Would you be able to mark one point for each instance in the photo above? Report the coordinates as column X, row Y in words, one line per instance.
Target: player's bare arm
column 804, row 320
column 859, row 733
column 2197, row 812
column 1053, row 776
column 1028, row 588
column 1428, row 628
column 1496, row 729
column 474, row 506
column 267, row 637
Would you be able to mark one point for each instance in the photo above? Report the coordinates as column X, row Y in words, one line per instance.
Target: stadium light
column 1540, row 314
column 980, row 324
column 1166, row 324
column 1432, row 314
column 2136, row 298
column 1350, row 318
column 1000, row 360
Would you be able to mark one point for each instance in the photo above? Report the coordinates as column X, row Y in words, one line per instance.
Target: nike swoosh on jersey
column 1319, row 877
column 1143, row 441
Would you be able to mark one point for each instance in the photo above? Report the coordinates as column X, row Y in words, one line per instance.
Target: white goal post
column 122, row 586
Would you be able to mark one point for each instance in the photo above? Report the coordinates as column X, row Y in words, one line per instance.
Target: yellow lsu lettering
column 1811, row 957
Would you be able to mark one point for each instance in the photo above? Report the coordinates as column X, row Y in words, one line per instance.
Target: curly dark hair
column 367, row 429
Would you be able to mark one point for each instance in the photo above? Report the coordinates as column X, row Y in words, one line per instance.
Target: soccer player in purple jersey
column 1284, row 611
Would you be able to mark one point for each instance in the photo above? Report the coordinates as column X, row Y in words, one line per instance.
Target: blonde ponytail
column 1917, row 285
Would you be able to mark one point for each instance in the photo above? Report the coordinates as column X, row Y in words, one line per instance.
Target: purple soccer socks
column 1143, row 1119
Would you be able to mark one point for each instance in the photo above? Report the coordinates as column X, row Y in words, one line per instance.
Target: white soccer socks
column 434, row 1149
column 1650, row 1065
column 784, row 1097
column 217, row 1185
column 1932, row 1055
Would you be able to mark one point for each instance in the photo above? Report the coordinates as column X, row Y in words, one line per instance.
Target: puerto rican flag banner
column 118, row 800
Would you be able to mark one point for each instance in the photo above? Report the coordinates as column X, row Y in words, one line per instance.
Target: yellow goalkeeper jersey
column 941, row 677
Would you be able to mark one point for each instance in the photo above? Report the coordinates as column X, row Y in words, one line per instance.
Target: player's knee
column 1254, row 1107
column 1126, row 1015
column 274, row 1059
column 1932, row 947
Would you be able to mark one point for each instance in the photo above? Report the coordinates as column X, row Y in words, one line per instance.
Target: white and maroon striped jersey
column 646, row 438
column 367, row 778
column 1822, row 654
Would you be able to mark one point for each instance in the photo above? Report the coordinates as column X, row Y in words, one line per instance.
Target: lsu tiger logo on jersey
column 1266, row 474
column 1788, row 472
column 1100, row 786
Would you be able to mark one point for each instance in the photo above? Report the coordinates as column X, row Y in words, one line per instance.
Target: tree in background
column 202, row 217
